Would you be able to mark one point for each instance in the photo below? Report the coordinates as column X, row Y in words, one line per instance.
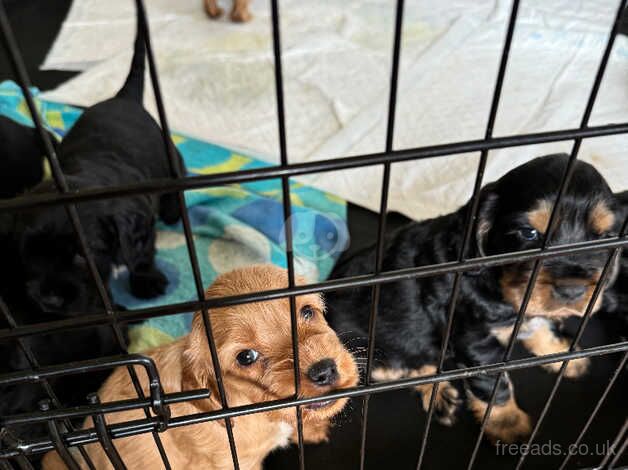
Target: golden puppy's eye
column 307, row 312
column 247, row 357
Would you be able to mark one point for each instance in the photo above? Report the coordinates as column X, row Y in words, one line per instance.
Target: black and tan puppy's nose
column 570, row 292
column 323, row 372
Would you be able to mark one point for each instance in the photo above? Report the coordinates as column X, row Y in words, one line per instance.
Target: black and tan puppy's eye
column 247, row 357
column 528, row 233
column 307, row 312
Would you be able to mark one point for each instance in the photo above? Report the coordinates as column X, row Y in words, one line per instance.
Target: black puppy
column 50, row 349
column 21, row 157
column 115, row 142
column 513, row 215
column 43, row 274
column 47, row 349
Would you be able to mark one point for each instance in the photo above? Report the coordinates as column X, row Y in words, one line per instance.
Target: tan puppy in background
column 255, row 351
column 240, row 12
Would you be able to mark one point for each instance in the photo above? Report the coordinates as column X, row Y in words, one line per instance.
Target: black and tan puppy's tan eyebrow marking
column 514, row 213
column 601, row 218
column 539, row 216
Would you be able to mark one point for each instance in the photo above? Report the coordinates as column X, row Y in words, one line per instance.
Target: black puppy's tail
column 133, row 87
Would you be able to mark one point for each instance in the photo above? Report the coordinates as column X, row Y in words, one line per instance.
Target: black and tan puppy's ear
column 485, row 216
column 622, row 201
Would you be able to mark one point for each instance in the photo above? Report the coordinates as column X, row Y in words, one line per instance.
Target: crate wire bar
column 62, row 436
column 471, row 222
column 176, row 172
column 551, row 226
column 614, row 445
column 19, row 69
column 134, row 427
column 381, row 228
column 287, row 212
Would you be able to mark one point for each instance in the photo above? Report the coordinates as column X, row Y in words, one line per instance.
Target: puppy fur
column 52, row 349
column 186, row 365
column 21, row 157
column 614, row 310
column 240, row 12
column 513, row 215
column 115, row 142
column 48, row 349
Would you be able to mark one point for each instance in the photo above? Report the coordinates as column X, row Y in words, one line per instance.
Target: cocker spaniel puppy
column 114, row 143
column 255, row 353
column 513, row 215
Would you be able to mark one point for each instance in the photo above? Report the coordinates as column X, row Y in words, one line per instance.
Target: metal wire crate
column 61, row 434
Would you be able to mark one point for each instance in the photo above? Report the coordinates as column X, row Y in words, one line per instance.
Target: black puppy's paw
column 148, row 283
column 169, row 208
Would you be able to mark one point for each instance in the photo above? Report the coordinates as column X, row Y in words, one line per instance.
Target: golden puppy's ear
column 197, row 370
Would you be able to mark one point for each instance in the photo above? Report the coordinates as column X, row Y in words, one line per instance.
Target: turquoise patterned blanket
column 233, row 225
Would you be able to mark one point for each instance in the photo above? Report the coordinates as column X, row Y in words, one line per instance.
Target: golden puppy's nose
column 323, row 372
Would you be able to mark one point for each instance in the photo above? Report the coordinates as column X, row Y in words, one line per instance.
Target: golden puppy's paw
column 212, row 9
column 241, row 15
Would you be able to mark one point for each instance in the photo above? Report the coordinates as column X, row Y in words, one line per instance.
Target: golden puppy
column 255, row 351
column 240, row 12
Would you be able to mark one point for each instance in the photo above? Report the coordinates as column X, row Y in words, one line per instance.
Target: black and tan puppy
column 115, row 142
column 21, row 157
column 513, row 215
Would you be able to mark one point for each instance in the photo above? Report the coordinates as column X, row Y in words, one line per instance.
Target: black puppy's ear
column 135, row 236
column 486, row 214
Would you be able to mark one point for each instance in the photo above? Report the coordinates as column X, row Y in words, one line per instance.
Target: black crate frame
column 63, row 436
